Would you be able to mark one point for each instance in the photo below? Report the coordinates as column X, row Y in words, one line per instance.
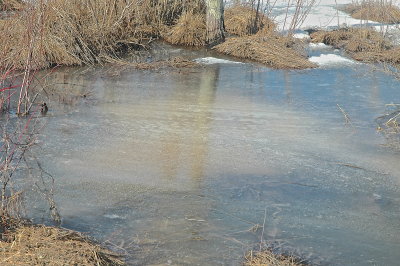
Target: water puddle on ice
column 176, row 166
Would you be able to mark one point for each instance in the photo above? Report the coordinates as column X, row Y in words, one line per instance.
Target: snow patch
column 213, row 60
column 319, row 46
column 322, row 15
column 331, row 60
column 301, row 36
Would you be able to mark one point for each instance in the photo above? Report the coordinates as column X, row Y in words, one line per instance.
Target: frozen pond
column 177, row 166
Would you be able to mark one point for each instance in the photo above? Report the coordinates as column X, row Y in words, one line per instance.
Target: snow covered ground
column 323, row 14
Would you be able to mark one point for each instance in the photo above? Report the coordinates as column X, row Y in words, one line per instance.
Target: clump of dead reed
column 190, row 29
column 78, row 32
column 119, row 66
column 353, row 39
column 10, row 5
column 362, row 44
column 382, row 11
column 267, row 257
column 272, row 50
column 244, row 20
column 44, row 245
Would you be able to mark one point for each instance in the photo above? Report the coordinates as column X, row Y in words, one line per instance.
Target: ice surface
column 175, row 163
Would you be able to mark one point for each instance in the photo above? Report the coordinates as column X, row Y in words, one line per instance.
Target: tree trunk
column 215, row 22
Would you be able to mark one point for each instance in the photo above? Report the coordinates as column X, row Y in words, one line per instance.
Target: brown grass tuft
column 273, row 50
column 268, row 258
column 190, row 30
column 177, row 62
column 374, row 10
column 362, row 44
column 239, row 20
column 9, row 5
column 81, row 32
column 353, row 40
column 43, row 245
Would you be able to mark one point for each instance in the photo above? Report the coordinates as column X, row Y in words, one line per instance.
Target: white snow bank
column 213, row 60
column 331, row 60
column 323, row 14
column 301, row 36
column 318, row 46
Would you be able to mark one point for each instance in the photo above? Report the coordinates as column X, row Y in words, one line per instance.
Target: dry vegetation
column 258, row 41
column 119, row 66
column 362, row 44
column 239, row 20
column 375, row 10
column 81, row 32
column 85, row 32
column 11, row 5
column 42, row 245
column 268, row 258
column 190, row 29
column 273, row 50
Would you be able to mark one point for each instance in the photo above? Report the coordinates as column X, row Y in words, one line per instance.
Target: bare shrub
column 19, row 168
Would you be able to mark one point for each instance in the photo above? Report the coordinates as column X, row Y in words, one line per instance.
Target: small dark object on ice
column 44, row 108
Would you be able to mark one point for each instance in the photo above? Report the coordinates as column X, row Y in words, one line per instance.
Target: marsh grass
column 190, row 30
column 240, row 20
column 272, row 50
column 382, row 11
column 362, row 44
column 11, row 5
column 268, row 258
column 84, row 32
column 244, row 20
column 44, row 245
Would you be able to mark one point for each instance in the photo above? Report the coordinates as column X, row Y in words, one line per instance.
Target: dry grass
column 272, row 50
column 78, row 32
column 176, row 62
column 353, row 39
column 11, row 5
column 43, row 245
column 268, row 258
column 190, row 29
column 362, row 44
column 374, row 10
column 239, row 20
